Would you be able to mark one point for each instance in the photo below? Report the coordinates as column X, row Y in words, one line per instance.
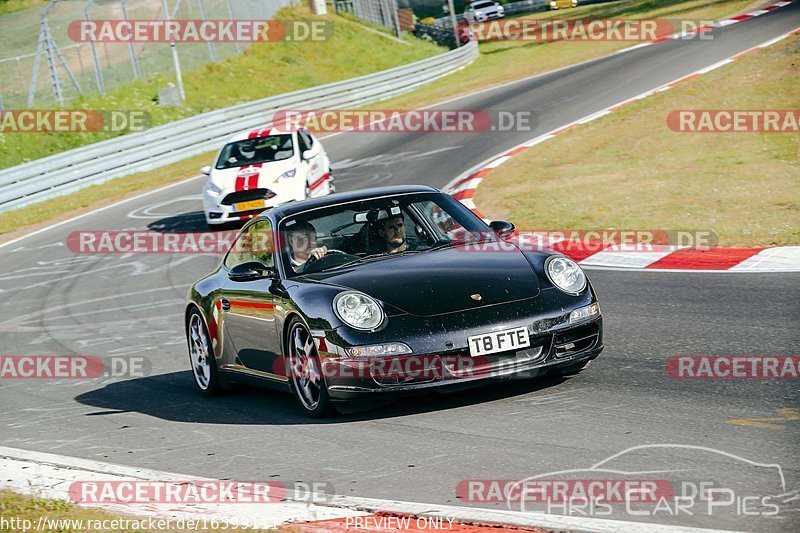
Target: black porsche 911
column 354, row 298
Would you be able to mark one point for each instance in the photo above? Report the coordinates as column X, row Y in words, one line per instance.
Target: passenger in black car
column 393, row 231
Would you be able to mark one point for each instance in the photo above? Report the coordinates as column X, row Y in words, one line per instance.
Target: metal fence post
column 98, row 73
column 453, row 22
column 396, row 18
column 131, row 50
column 212, row 53
column 36, row 62
column 51, row 63
column 175, row 60
column 230, row 16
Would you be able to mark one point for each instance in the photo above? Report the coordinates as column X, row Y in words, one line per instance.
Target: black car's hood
column 441, row 281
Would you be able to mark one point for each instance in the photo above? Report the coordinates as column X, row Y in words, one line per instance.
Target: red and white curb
column 50, row 476
column 660, row 258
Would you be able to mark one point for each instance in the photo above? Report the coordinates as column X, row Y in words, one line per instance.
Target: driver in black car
column 303, row 243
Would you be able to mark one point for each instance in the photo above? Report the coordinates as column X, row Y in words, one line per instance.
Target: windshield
column 374, row 230
column 480, row 5
column 260, row 150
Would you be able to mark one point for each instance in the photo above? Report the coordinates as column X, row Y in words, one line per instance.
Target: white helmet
column 248, row 149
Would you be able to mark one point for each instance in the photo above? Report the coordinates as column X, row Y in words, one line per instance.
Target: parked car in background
column 559, row 4
column 484, row 10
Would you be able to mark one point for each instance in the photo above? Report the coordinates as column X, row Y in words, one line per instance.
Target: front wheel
column 305, row 373
column 201, row 356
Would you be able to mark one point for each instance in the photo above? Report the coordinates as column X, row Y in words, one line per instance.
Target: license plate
column 499, row 341
column 247, row 206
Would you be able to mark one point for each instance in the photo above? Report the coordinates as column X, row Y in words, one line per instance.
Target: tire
column 571, row 370
column 305, row 374
column 201, row 357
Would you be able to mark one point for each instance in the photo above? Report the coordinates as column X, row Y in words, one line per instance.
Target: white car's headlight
column 358, row 310
column 565, row 274
column 213, row 189
column 287, row 174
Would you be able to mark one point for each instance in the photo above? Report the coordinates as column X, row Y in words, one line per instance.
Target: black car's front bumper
column 561, row 347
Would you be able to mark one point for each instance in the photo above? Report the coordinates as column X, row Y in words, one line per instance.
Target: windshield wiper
column 373, row 257
column 450, row 244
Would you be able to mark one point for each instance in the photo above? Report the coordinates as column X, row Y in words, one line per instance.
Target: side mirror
column 251, row 271
column 205, row 170
column 503, row 228
column 306, row 155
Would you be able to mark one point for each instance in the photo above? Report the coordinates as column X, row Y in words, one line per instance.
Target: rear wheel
column 305, row 373
column 201, row 356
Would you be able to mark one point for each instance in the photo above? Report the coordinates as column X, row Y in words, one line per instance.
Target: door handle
column 226, row 305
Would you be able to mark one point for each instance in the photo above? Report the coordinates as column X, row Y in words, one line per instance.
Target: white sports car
column 484, row 10
column 263, row 168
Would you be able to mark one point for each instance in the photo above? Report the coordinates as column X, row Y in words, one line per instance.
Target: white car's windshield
column 481, row 5
column 376, row 229
column 260, row 150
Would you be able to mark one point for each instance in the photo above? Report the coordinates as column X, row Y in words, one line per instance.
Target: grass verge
column 262, row 70
column 499, row 62
column 505, row 61
column 24, row 513
column 631, row 171
column 12, row 6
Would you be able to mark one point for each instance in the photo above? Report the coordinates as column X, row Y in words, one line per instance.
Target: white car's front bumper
column 218, row 213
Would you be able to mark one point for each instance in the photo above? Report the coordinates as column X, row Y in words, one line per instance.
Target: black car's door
column 249, row 306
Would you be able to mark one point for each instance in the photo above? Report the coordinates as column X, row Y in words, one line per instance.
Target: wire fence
column 42, row 66
column 381, row 12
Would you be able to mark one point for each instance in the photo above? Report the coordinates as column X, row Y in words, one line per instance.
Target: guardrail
column 163, row 145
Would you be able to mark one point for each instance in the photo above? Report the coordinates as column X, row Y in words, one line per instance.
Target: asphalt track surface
column 56, row 302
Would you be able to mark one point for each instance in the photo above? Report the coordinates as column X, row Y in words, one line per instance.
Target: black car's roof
column 292, row 208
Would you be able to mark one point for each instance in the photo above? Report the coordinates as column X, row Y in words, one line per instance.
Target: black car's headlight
column 565, row 274
column 358, row 310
